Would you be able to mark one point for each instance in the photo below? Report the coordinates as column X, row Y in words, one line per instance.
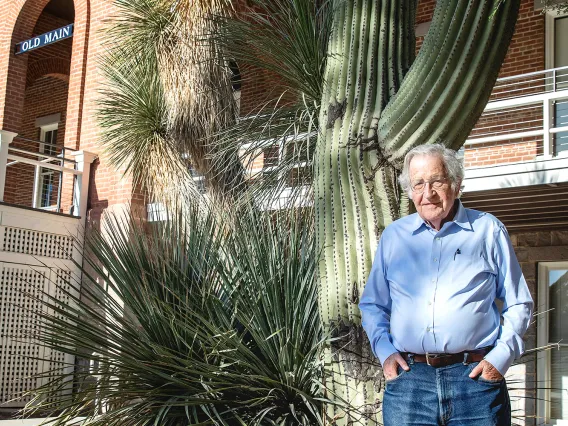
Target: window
column 46, row 192
column 557, row 57
column 552, row 328
column 236, row 82
column 298, row 157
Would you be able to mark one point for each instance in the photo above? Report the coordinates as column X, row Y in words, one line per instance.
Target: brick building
column 57, row 174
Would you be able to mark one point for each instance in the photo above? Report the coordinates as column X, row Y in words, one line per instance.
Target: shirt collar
column 461, row 219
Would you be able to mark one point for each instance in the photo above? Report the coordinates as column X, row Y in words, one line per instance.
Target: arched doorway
column 36, row 106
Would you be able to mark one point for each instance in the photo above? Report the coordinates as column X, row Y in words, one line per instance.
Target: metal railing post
column 36, row 202
column 60, row 186
column 6, row 139
column 546, row 125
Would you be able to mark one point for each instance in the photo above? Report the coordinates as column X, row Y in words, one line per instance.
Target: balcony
column 516, row 157
column 43, row 176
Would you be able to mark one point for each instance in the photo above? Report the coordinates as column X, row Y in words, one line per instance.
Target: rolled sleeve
column 375, row 306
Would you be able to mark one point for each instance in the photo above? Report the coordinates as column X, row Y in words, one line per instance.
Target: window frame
column 40, row 174
column 543, row 369
column 549, row 43
column 549, row 35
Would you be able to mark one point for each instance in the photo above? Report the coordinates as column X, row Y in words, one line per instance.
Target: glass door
column 46, row 180
column 552, row 329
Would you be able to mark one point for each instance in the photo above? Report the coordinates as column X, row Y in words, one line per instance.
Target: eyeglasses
column 436, row 184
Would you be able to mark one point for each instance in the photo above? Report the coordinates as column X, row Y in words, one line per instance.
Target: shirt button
column 433, row 280
column 428, row 329
column 435, row 259
column 438, row 238
column 429, row 303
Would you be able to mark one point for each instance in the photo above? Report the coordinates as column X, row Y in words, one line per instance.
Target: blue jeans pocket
column 497, row 382
column 480, row 379
column 400, row 372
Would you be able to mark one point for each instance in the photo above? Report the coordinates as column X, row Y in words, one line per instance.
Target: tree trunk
column 377, row 104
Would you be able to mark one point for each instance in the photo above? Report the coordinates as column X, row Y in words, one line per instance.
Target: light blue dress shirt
column 434, row 291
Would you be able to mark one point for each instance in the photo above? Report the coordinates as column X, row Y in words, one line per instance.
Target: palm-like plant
column 209, row 318
column 169, row 87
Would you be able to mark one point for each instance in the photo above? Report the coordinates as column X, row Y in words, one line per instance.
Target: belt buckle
column 433, row 356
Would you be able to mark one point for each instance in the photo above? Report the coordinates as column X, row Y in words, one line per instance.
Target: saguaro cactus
column 378, row 103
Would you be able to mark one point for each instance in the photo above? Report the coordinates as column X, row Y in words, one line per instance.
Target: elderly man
column 429, row 304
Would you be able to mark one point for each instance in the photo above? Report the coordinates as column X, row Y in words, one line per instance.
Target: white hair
column 452, row 164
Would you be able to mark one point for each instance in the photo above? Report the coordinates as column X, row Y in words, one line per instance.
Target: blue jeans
column 428, row 396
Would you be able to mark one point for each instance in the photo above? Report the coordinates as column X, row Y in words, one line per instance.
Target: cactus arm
column 447, row 87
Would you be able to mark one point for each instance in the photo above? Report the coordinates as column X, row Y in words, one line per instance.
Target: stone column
column 83, row 160
column 6, row 139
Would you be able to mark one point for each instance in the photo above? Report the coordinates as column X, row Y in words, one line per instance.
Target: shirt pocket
column 470, row 270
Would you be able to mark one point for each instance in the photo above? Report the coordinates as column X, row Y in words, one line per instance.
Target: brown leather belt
column 442, row 360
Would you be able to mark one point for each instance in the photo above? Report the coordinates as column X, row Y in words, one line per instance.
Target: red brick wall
column 108, row 185
column 523, row 149
column 259, row 87
column 424, row 14
column 512, row 120
column 526, row 51
column 525, row 55
column 52, row 59
column 19, row 20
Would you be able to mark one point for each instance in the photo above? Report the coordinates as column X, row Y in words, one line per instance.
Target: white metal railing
column 525, row 108
column 295, row 150
column 51, row 163
column 40, row 175
column 530, row 84
column 270, row 162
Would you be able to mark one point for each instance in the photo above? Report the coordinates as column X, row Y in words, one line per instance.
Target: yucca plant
column 170, row 87
column 209, row 318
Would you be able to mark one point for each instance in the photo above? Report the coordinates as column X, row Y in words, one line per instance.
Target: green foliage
column 133, row 112
column 133, row 116
column 286, row 37
column 166, row 94
column 209, row 319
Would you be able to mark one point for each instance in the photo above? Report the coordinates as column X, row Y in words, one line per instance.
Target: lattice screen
column 56, row 361
column 26, row 241
column 19, row 358
column 22, row 288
